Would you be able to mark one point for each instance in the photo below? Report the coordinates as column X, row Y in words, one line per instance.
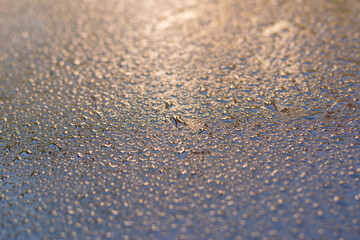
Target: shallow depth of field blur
column 208, row 119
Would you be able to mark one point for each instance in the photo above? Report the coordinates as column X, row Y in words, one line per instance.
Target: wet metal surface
column 179, row 119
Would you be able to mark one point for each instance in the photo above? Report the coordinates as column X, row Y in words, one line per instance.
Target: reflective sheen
column 179, row 119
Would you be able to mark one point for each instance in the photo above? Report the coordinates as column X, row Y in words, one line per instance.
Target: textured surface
column 179, row 119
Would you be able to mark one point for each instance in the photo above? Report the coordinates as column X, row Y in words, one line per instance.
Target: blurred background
column 179, row 119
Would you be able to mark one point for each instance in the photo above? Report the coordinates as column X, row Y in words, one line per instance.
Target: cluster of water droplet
column 229, row 123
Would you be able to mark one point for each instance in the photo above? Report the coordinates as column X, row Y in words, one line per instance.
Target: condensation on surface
column 179, row 119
